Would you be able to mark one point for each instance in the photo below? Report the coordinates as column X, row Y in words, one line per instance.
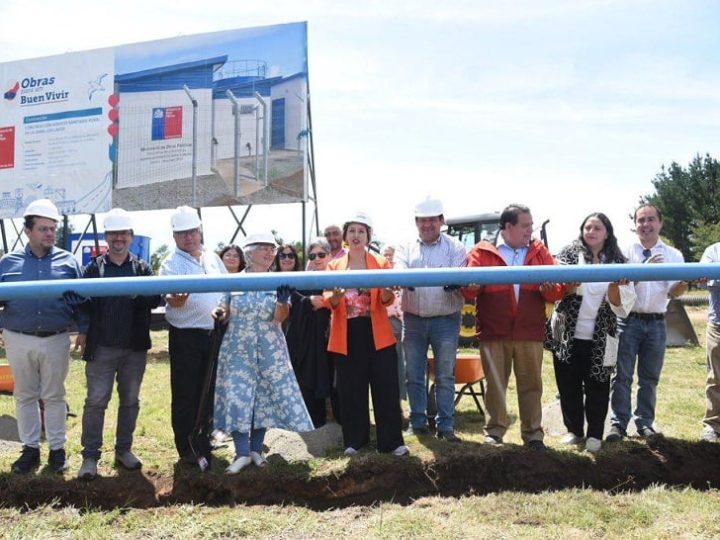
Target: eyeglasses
column 647, row 254
column 313, row 256
column 286, row 255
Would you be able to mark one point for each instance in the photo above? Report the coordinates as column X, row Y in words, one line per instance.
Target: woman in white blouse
column 582, row 333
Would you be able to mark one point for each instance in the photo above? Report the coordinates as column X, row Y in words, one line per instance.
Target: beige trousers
column 499, row 359
column 712, row 385
column 39, row 367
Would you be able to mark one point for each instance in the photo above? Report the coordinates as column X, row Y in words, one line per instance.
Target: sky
column 567, row 106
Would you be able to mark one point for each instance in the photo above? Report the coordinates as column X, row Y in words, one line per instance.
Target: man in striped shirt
column 431, row 318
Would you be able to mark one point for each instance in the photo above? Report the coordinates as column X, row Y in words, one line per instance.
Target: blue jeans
column 109, row 364
column 248, row 442
column 644, row 340
column 440, row 333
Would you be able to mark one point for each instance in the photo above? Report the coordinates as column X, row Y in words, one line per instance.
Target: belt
column 203, row 331
column 647, row 316
column 43, row 333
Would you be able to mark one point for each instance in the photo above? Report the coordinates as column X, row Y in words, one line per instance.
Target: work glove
column 73, row 299
column 283, row 293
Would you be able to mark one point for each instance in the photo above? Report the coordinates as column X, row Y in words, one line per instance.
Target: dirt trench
column 368, row 479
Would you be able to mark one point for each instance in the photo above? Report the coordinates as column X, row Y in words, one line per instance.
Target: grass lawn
column 647, row 512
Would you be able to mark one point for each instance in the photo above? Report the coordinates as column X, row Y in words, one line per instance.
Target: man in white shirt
column 711, row 420
column 190, row 320
column 431, row 317
column 642, row 334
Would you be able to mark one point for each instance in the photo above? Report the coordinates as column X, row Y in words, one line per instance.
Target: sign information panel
column 114, row 127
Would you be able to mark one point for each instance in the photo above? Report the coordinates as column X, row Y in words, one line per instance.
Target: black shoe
column 448, row 436
column 537, row 446
column 647, row 432
column 57, row 461
column 28, row 460
column 419, row 431
column 616, row 434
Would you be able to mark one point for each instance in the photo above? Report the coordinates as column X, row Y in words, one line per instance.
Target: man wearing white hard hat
column 115, row 348
column 37, row 338
column 190, row 320
column 431, row 318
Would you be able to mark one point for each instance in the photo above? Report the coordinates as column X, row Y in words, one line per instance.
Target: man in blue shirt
column 37, row 338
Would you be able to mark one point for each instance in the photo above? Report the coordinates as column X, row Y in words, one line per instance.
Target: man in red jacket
column 511, row 326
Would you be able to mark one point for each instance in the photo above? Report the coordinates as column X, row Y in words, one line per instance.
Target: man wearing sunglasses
column 642, row 334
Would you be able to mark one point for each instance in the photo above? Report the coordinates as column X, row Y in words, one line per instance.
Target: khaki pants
column 39, row 367
column 712, row 385
column 499, row 358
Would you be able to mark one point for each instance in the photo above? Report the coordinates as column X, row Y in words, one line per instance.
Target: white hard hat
column 360, row 217
column 185, row 218
column 42, row 208
column 430, row 207
column 259, row 238
column 118, row 219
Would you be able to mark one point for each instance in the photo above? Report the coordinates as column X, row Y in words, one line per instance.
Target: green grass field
column 652, row 512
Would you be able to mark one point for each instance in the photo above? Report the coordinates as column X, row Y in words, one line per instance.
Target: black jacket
column 127, row 317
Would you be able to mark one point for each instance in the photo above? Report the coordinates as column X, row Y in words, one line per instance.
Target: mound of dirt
column 369, row 478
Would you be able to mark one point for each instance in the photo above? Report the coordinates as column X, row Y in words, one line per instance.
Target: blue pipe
column 424, row 277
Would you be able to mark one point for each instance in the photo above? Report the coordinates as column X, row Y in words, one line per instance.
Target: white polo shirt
column 652, row 296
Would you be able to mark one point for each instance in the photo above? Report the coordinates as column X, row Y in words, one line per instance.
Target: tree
column 703, row 235
column 61, row 239
column 687, row 198
column 157, row 257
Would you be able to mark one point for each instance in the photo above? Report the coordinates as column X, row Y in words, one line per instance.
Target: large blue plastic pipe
column 362, row 278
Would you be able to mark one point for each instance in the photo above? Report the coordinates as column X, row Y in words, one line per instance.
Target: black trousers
column 362, row 367
column 582, row 397
column 189, row 350
column 317, row 407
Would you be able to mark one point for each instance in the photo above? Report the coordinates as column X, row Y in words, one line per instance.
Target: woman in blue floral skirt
column 256, row 388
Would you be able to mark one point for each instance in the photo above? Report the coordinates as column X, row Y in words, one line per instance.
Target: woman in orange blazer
column 362, row 341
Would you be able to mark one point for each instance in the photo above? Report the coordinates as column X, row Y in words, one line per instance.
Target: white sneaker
column 709, row 435
column 593, row 445
column 401, row 450
column 258, row 459
column 240, row 463
column 571, row 438
column 350, row 451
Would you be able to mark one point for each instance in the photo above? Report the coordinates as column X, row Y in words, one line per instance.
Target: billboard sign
column 127, row 126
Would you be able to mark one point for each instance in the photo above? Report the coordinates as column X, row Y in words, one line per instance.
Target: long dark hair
column 610, row 253
column 282, row 248
column 238, row 251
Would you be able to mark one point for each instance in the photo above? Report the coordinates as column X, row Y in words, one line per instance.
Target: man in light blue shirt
column 190, row 320
column 37, row 337
column 431, row 318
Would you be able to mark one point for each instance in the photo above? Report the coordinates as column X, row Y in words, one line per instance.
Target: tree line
column 689, row 199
